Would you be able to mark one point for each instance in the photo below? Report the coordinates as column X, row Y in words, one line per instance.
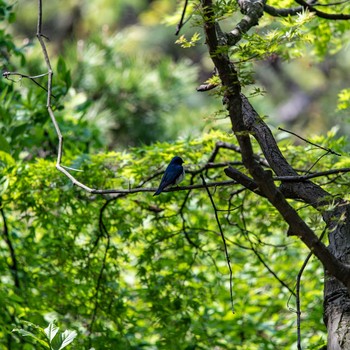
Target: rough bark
column 246, row 122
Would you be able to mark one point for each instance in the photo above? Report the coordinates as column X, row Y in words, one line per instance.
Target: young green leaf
column 51, row 331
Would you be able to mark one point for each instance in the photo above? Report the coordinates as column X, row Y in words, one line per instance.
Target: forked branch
column 245, row 121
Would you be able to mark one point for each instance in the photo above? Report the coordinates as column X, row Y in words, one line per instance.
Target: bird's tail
column 157, row 192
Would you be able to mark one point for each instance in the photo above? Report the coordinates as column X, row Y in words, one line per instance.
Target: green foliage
column 24, row 127
column 285, row 40
column 134, row 96
column 49, row 338
column 160, row 278
column 344, row 99
column 225, row 8
column 136, row 271
column 188, row 43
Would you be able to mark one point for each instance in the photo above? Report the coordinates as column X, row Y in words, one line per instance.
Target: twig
column 311, row 176
column 297, row 299
column 244, row 180
column 59, row 167
column 180, row 25
column 311, row 143
column 274, row 274
column 7, row 75
column 223, row 240
column 211, row 165
column 258, row 255
column 181, row 211
column 103, row 233
column 230, row 146
column 317, row 160
column 297, row 292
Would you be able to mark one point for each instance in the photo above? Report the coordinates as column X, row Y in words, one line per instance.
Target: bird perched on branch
column 174, row 174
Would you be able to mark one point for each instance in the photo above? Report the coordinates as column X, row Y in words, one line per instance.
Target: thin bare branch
column 7, row 75
column 257, row 253
column 184, row 227
column 297, row 293
column 311, row 143
column 181, row 23
column 223, row 241
column 331, row 4
column 268, row 268
column 244, row 180
column 103, row 233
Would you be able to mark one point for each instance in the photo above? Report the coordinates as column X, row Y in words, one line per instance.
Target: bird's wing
column 170, row 175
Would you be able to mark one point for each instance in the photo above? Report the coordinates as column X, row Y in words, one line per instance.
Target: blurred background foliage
column 128, row 81
column 131, row 84
column 123, row 272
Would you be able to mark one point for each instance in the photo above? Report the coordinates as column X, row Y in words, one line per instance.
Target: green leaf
column 66, row 338
column 51, row 331
column 61, row 66
column 344, row 99
column 25, row 333
column 4, row 184
column 6, row 159
column 4, row 145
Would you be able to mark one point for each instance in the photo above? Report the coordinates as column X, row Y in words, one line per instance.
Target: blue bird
column 174, row 174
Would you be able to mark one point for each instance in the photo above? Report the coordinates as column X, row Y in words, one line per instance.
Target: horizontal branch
column 7, row 76
column 171, row 189
column 301, row 178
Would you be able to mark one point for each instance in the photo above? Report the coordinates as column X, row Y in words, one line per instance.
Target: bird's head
column 177, row 160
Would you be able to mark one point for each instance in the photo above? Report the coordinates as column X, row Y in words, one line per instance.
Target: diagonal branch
column 94, row 299
column 223, row 241
column 40, row 37
column 253, row 10
column 285, row 12
column 307, row 191
column 309, row 142
column 321, row 14
column 181, row 23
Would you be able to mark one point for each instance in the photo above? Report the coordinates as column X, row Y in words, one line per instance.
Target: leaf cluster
column 156, row 275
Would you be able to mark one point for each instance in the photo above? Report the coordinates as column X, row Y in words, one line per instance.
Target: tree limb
column 321, row 14
column 284, row 12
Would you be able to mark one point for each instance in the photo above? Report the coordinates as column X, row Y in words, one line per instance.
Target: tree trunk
column 336, row 296
column 246, row 123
